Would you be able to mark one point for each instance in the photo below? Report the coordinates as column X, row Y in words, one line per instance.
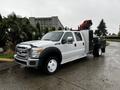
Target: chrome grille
column 22, row 52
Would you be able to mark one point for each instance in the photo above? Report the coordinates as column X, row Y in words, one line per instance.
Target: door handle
column 75, row 44
column 83, row 43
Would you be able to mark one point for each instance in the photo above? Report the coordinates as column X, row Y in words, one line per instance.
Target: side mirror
column 69, row 40
column 63, row 41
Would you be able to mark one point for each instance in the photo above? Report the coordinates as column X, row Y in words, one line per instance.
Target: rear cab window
column 78, row 36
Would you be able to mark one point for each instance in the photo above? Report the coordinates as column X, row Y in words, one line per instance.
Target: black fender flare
column 50, row 51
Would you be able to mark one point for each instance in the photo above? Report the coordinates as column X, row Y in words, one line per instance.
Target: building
column 47, row 22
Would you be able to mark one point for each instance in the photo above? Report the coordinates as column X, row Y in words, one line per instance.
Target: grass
column 10, row 56
column 114, row 40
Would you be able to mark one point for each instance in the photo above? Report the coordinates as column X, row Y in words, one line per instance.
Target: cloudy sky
column 70, row 12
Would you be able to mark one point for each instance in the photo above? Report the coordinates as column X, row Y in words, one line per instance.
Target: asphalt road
column 89, row 73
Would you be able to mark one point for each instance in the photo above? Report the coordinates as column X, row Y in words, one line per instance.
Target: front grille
column 22, row 62
column 22, row 52
column 22, row 57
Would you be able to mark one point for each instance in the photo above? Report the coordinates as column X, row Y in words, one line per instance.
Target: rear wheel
column 97, row 52
column 100, row 52
column 103, row 50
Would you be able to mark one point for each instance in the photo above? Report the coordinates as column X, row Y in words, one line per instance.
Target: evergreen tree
column 0, row 17
column 46, row 30
column 3, row 29
column 60, row 28
column 52, row 29
column 19, row 30
column 101, row 29
column 39, row 35
column 119, row 33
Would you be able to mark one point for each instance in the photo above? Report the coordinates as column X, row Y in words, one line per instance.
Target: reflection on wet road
column 89, row 73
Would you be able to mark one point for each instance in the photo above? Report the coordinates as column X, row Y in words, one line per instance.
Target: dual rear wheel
column 97, row 52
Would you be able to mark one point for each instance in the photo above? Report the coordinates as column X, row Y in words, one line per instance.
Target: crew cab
column 56, row 48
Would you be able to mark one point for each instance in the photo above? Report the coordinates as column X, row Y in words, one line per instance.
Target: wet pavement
column 89, row 73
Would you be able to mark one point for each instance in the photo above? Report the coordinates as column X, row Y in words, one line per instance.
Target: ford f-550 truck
column 58, row 47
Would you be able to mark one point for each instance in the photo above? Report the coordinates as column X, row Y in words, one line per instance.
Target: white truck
column 56, row 48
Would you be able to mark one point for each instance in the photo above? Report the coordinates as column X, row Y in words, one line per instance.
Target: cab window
column 66, row 35
column 78, row 36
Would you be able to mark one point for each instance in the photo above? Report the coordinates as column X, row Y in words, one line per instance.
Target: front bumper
column 27, row 63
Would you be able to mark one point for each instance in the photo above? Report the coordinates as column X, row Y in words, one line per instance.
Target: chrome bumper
column 27, row 63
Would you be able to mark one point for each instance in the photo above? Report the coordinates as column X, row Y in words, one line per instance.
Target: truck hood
column 38, row 43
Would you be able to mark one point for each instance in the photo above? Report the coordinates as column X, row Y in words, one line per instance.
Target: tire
column 97, row 52
column 103, row 50
column 50, row 65
column 100, row 52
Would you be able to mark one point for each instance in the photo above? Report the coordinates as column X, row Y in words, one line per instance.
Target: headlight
column 35, row 52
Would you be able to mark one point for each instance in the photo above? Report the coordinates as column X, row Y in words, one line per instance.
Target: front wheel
column 50, row 65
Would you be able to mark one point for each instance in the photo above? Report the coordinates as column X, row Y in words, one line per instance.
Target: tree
column 14, row 32
column 101, row 29
column 113, row 34
column 39, row 35
column 66, row 28
column 15, row 29
column 19, row 30
column 98, row 32
column 60, row 28
column 46, row 30
column 52, row 29
column 71, row 29
column 2, row 32
column 109, row 34
column 119, row 33
column 0, row 17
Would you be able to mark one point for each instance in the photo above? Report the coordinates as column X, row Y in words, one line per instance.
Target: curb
column 6, row 60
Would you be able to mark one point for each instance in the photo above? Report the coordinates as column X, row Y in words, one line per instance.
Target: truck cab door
column 80, row 45
column 68, row 49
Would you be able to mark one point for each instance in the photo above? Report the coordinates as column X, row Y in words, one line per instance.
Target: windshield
column 52, row 36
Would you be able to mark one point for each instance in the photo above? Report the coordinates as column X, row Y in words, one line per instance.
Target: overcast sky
column 70, row 12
